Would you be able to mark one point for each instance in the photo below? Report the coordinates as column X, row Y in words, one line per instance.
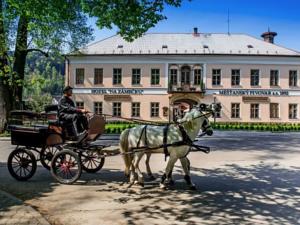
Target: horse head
column 196, row 119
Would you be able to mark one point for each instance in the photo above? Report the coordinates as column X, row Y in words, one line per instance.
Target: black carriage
column 38, row 137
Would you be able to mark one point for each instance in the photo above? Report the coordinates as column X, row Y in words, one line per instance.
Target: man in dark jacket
column 75, row 122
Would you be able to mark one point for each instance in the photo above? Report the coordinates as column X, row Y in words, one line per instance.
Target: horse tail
column 124, row 148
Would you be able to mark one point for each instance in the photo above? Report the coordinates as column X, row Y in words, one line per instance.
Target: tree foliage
column 132, row 17
column 56, row 26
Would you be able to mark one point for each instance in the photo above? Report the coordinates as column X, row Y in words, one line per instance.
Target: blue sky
column 251, row 17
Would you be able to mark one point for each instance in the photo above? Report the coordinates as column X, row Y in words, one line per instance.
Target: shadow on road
column 39, row 185
column 233, row 195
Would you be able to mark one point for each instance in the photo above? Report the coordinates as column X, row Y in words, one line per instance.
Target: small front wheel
column 90, row 161
column 47, row 154
column 66, row 167
column 21, row 164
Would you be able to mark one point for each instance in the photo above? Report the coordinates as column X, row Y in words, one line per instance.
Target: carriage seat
column 55, row 123
column 35, row 128
column 51, row 108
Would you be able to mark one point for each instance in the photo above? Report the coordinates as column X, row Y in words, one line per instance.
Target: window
column 98, row 108
column 173, row 76
column 235, row 110
column 79, row 76
column 216, row 77
column 154, row 109
column 235, row 77
column 197, row 76
column 185, row 75
column 80, row 105
column 293, row 78
column 135, row 109
column 274, row 110
column 117, row 76
column 293, row 111
column 254, row 77
column 274, row 77
column 98, row 76
column 136, row 76
column 116, row 109
column 254, row 111
column 155, row 76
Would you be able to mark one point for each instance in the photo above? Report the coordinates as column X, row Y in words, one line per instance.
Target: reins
column 153, row 122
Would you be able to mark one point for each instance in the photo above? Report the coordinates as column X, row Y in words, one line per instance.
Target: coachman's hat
column 67, row 88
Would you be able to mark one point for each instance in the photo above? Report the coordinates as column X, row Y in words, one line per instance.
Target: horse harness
column 186, row 140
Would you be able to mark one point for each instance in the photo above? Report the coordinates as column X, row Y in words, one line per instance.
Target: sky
column 252, row 17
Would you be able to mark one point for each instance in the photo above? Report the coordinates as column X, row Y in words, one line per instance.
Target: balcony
column 185, row 88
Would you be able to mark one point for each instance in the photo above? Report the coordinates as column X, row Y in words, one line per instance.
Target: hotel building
column 159, row 75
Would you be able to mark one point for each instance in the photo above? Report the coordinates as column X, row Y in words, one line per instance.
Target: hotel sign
column 117, row 97
column 254, row 92
column 117, row 91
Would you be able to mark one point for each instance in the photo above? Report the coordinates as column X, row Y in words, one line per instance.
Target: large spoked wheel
column 47, row 154
column 21, row 164
column 66, row 167
column 90, row 161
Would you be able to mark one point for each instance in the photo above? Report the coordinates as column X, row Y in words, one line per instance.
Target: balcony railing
column 185, row 88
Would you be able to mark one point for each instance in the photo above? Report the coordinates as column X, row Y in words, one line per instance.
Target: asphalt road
column 248, row 178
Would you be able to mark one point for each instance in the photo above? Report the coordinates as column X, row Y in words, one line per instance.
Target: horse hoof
column 193, row 188
column 171, row 183
column 163, row 186
column 152, row 178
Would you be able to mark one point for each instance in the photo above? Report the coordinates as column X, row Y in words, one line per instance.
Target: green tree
column 54, row 25
column 41, row 26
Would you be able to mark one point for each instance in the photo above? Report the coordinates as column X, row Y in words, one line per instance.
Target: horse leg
column 170, row 181
column 132, row 173
column 137, row 168
column 187, row 177
column 168, row 172
column 149, row 172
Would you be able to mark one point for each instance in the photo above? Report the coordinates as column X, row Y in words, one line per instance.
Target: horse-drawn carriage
column 39, row 137
column 42, row 137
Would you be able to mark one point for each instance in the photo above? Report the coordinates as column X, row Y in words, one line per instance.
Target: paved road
column 248, row 178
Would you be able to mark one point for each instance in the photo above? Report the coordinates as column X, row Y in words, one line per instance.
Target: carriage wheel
column 66, row 167
column 90, row 161
column 21, row 164
column 47, row 154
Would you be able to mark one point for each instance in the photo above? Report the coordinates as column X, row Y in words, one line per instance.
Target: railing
column 185, row 88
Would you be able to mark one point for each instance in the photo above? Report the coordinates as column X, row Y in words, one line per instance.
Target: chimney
column 196, row 34
column 269, row 36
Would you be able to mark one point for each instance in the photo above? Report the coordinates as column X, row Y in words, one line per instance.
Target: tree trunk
column 5, row 95
column 20, row 55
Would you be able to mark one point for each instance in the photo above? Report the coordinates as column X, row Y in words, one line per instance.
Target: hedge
column 117, row 127
column 274, row 127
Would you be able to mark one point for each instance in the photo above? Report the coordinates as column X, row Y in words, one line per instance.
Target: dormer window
column 165, row 46
column 120, row 46
column 250, row 46
column 205, row 46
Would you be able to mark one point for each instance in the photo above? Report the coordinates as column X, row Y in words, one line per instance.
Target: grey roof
column 187, row 43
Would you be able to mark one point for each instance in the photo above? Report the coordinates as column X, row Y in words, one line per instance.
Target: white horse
column 151, row 140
